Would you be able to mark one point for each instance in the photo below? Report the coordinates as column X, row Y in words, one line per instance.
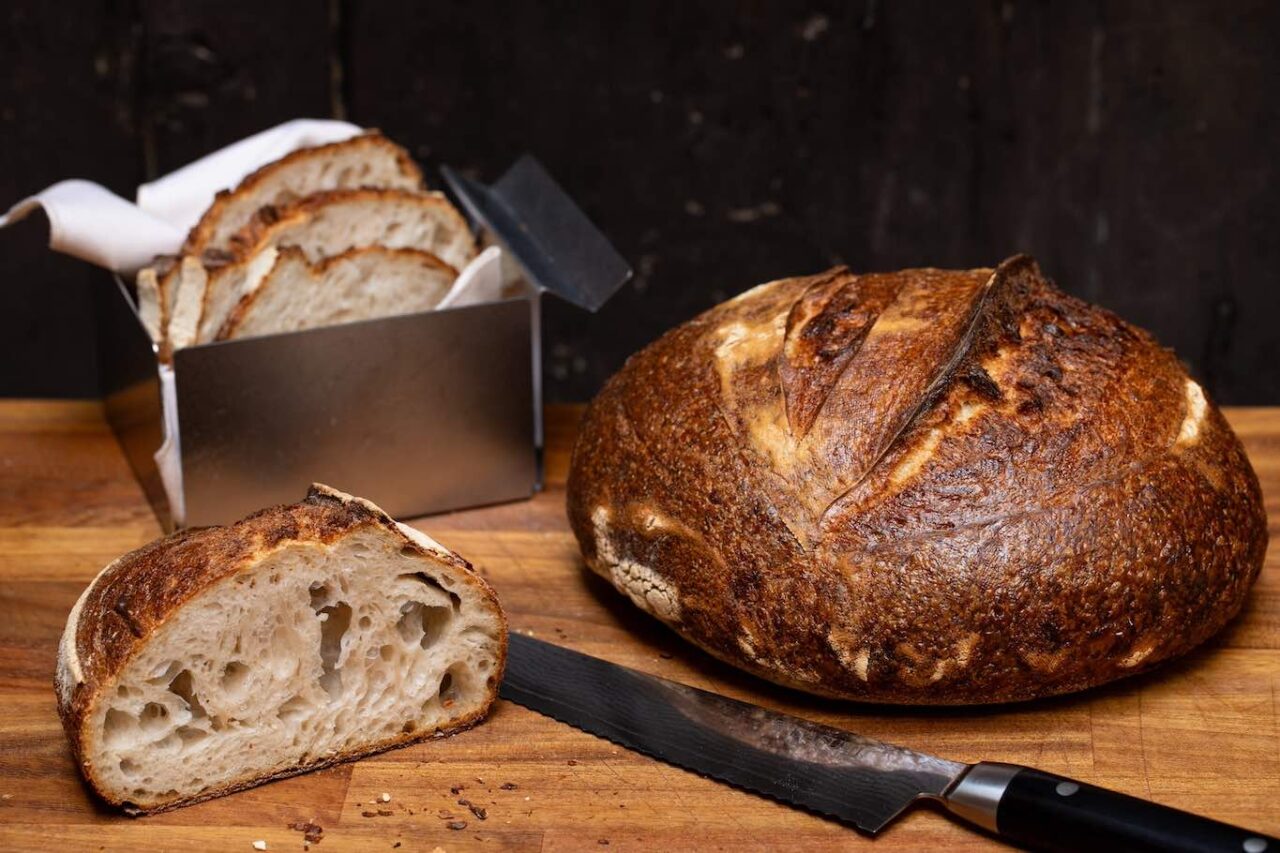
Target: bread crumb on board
column 259, row 845
column 312, row 832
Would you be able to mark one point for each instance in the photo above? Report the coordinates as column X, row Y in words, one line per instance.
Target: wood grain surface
column 1201, row 734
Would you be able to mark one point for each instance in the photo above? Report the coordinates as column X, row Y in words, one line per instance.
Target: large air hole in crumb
column 118, row 726
column 422, row 623
column 164, row 674
column 183, row 687
column 319, row 596
column 431, row 583
column 154, row 717
column 451, row 686
column 129, row 768
column 191, row 735
column 234, row 678
column 292, row 709
column 333, row 627
column 409, row 727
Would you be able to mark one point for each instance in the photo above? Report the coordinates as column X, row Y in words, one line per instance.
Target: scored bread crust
column 427, row 262
column 201, row 235
column 924, row 487
column 136, row 595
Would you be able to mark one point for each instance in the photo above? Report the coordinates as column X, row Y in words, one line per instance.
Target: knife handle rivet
column 1066, row 789
column 1254, row 845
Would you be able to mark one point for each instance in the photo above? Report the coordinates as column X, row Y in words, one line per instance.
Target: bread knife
column 854, row 779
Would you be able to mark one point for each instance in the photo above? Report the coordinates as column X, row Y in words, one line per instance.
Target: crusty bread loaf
column 923, row 487
column 359, row 284
column 368, row 160
column 219, row 658
column 324, row 225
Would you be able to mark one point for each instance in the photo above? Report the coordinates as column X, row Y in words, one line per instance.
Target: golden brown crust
column 200, row 235
column 426, row 259
column 919, row 487
column 138, row 593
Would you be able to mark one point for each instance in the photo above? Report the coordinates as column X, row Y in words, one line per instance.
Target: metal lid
column 555, row 243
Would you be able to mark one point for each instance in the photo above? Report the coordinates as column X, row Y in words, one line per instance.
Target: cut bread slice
column 220, row 658
column 155, row 296
column 150, row 303
column 328, row 224
column 368, row 160
column 359, row 284
column 188, row 283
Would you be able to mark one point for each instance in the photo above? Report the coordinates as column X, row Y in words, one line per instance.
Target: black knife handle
column 1047, row 812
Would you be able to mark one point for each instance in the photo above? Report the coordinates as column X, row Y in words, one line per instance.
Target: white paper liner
column 169, row 455
column 88, row 221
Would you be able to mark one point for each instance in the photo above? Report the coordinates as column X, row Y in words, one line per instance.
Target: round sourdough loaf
column 928, row 486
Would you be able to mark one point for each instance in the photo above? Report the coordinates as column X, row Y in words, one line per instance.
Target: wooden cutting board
column 1201, row 734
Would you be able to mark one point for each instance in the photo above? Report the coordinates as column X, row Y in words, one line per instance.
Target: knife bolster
column 975, row 797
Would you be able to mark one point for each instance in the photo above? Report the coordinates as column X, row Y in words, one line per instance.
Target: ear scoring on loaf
column 928, row 486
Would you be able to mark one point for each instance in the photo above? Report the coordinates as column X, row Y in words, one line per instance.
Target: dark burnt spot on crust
column 121, row 609
column 268, row 214
column 981, row 382
column 214, row 258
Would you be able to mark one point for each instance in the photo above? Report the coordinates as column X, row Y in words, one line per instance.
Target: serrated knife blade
column 836, row 773
column 858, row 780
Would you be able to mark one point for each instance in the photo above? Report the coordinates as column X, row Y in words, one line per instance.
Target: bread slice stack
column 362, row 193
column 219, row 658
column 370, row 281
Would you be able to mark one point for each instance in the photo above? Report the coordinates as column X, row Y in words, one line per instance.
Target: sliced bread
column 184, row 287
column 368, row 160
column 328, row 224
column 358, row 284
column 219, row 658
column 151, row 303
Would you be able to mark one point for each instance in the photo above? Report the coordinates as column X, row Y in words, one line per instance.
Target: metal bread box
column 420, row 413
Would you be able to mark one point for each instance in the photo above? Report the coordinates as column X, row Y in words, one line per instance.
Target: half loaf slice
column 368, row 160
column 359, row 284
column 328, row 224
column 220, row 658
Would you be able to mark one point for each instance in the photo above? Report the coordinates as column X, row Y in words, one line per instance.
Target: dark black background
column 1130, row 146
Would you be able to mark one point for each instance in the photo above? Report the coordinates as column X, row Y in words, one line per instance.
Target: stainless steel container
column 420, row 413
